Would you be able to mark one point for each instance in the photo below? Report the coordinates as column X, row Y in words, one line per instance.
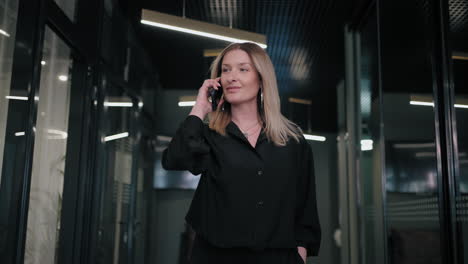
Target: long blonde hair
column 278, row 128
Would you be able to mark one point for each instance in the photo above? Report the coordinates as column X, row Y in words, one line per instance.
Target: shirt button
column 259, row 172
column 260, row 203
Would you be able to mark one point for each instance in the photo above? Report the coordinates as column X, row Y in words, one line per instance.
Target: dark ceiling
column 305, row 43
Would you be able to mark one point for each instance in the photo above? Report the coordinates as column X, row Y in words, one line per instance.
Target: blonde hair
column 278, row 128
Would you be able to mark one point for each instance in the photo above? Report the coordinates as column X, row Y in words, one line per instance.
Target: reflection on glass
column 459, row 42
column 460, row 67
column 411, row 177
column 8, row 13
column 68, row 6
column 8, row 17
column 116, row 171
column 47, row 177
column 370, row 161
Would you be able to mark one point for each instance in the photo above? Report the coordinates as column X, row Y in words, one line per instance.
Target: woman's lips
column 232, row 89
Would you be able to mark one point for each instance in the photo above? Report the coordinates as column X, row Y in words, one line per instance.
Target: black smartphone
column 215, row 96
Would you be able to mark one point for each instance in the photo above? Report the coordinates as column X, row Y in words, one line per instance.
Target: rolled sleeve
column 188, row 149
column 307, row 230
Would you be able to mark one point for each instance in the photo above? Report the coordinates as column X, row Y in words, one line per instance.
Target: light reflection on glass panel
column 116, row 167
column 47, row 177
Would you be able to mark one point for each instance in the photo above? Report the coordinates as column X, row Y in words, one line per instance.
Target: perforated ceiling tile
column 295, row 29
column 458, row 10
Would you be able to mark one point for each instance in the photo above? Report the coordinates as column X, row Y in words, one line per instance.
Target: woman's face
column 239, row 78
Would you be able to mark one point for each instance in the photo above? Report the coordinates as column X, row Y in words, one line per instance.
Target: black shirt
column 262, row 197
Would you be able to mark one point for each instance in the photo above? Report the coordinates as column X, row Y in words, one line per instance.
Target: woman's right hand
column 202, row 105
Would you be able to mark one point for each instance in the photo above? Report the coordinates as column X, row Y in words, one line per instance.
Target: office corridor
column 92, row 92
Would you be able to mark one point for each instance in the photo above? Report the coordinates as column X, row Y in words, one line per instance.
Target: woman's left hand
column 303, row 253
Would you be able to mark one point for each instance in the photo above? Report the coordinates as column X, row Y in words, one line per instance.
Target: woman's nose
column 232, row 76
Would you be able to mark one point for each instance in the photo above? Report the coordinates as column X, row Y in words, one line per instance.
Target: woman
column 255, row 202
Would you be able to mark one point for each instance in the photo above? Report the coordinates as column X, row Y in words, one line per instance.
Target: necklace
column 245, row 132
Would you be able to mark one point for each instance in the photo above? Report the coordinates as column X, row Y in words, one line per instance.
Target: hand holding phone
column 210, row 89
column 215, row 96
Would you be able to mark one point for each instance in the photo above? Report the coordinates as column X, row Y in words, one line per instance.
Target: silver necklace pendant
column 246, row 134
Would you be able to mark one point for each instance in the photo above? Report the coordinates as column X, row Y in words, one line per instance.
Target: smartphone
column 215, row 96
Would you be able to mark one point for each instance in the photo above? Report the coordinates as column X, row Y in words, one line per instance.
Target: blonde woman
column 255, row 202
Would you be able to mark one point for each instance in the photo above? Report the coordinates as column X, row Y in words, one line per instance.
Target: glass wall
column 8, row 15
column 116, row 172
column 10, row 100
column 411, row 164
column 47, row 178
column 57, row 186
column 370, row 168
column 458, row 38
column 460, row 68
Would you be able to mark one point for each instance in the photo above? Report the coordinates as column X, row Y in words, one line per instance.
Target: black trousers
column 205, row 253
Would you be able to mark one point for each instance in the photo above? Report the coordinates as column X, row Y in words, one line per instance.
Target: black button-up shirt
column 262, row 197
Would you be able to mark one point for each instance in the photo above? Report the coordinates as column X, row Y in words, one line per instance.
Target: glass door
column 460, row 67
column 13, row 105
column 42, row 90
column 50, row 149
column 408, row 200
column 458, row 39
column 8, row 17
column 117, row 173
column 412, row 167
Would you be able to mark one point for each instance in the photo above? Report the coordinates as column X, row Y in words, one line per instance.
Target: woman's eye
column 244, row 69
column 224, row 70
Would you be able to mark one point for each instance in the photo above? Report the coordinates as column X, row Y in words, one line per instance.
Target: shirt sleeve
column 307, row 230
column 188, row 149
